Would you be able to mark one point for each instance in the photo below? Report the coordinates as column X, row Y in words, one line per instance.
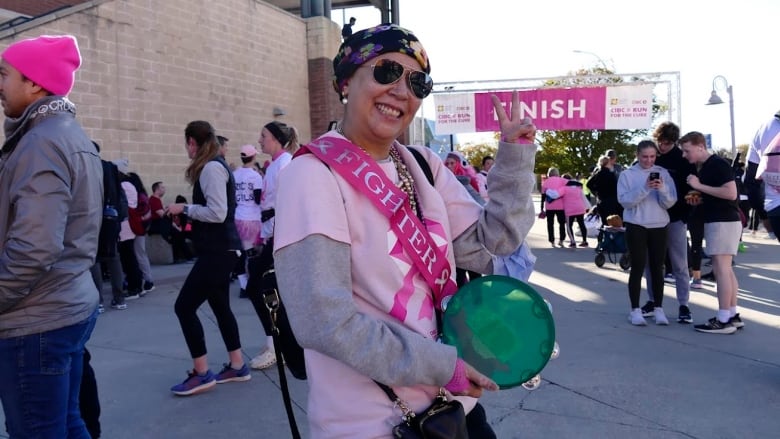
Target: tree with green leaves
column 578, row 151
column 475, row 152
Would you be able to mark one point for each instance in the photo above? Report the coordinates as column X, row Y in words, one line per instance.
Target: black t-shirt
column 716, row 172
column 346, row 31
column 679, row 169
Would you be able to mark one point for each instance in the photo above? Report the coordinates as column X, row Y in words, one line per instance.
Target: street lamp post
column 715, row 100
column 585, row 52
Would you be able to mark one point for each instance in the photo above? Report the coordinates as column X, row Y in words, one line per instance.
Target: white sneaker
column 263, row 360
column 660, row 317
column 636, row 318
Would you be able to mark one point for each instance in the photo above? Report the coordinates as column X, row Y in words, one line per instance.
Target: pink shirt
column 342, row 402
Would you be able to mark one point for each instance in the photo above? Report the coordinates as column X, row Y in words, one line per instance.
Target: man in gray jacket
column 51, row 197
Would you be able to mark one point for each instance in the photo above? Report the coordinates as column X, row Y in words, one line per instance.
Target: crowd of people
column 356, row 285
column 676, row 196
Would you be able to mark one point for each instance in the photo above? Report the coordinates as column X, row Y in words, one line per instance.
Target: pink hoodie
column 574, row 200
column 557, row 183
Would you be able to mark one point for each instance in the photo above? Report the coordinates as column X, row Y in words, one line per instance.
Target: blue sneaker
column 228, row 374
column 195, row 383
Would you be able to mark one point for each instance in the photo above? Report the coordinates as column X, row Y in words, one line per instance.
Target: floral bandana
column 369, row 43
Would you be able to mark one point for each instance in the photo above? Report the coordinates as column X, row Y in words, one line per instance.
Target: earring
column 344, row 100
column 344, row 95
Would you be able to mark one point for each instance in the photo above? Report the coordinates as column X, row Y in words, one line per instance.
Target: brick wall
column 152, row 66
column 323, row 41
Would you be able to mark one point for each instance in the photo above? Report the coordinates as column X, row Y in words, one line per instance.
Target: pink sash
column 355, row 166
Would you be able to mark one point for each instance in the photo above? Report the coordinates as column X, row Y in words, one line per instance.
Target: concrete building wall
column 150, row 67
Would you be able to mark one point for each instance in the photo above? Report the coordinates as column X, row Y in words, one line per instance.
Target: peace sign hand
column 514, row 129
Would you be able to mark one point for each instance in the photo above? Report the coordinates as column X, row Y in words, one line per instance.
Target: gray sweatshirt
column 643, row 206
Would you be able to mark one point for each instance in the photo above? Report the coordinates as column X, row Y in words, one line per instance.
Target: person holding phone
column 646, row 191
column 670, row 157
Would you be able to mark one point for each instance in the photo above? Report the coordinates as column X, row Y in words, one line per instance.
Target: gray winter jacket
column 51, row 199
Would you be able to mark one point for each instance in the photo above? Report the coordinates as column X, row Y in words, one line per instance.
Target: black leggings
column 89, row 402
column 552, row 215
column 646, row 247
column 477, row 424
column 774, row 221
column 696, row 229
column 581, row 222
column 130, row 266
column 209, row 280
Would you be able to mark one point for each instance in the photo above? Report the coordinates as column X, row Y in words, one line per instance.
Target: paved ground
column 612, row 380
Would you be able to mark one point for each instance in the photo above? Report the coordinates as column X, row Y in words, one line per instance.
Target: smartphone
column 655, row 176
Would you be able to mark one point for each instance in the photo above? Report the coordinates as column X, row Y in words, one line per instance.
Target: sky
column 499, row 39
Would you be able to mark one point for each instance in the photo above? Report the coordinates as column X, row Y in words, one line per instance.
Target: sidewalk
column 612, row 380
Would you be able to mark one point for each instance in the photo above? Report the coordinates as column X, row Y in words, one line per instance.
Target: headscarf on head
column 369, row 43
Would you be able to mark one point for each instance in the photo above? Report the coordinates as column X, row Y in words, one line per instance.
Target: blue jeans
column 40, row 377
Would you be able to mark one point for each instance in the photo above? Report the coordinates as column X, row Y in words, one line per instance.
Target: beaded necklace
column 405, row 179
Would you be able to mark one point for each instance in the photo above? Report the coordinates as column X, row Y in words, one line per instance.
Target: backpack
column 140, row 216
column 114, row 211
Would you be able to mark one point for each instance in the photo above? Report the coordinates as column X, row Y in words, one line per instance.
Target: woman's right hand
column 513, row 128
column 477, row 383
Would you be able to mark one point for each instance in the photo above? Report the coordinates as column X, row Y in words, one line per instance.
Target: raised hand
column 513, row 128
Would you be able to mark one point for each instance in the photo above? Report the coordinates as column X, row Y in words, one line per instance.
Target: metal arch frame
column 671, row 81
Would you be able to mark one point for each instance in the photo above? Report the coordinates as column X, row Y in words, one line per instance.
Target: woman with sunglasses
column 365, row 247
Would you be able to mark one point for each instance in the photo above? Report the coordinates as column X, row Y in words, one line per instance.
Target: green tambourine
column 502, row 327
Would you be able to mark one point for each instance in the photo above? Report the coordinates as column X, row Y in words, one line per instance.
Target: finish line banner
column 588, row 108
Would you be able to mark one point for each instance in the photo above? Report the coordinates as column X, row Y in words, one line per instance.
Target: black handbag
column 444, row 419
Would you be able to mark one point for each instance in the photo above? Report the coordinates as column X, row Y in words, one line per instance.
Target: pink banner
column 550, row 109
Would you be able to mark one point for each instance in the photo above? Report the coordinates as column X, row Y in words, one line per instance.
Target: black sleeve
column 753, row 186
column 592, row 184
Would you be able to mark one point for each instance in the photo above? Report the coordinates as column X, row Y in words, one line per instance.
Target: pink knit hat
column 50, row 61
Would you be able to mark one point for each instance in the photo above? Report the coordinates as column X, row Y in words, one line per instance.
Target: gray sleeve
column 315, row 282
column 213, row 181
column 507, row 217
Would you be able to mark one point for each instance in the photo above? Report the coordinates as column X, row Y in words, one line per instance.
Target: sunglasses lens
column 420, row 83
column 387, row 71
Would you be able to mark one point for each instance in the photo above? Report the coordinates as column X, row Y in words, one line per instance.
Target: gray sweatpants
column 677, row 248
column 139, row 246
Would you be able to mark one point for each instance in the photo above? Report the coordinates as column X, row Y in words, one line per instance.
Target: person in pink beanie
column 49, row 61
column 51, row 196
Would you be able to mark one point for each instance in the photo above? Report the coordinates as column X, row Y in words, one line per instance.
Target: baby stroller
column 612, row 241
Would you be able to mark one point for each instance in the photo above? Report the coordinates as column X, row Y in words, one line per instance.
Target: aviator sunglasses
column 387, row 71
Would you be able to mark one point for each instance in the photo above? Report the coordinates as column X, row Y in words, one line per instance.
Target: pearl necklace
column 405, row 179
